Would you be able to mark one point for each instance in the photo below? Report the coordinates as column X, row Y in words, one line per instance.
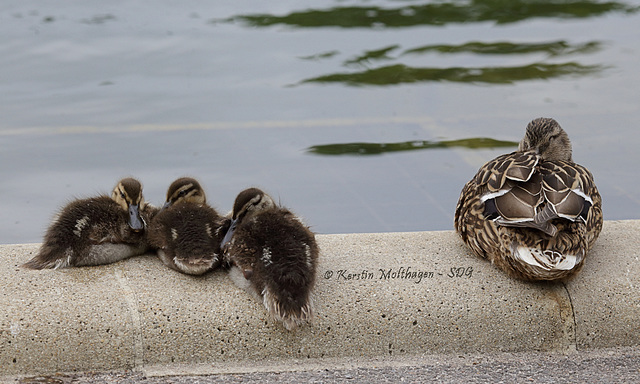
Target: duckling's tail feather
column 41, row 261
column 290, row 314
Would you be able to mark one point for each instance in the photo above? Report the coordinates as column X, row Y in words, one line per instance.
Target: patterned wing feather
column 520, row 202
column 566, row 189
column 517, row 166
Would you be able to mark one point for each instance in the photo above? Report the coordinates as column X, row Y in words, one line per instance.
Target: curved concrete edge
column 378, row 297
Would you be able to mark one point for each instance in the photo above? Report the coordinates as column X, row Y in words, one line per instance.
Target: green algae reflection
column 438, row 13
column 552, row 48
column 380, row 148
column 400, row 73
column 375, row 55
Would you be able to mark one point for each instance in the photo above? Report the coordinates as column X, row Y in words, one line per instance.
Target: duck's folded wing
column 511, row 186
column 555, row 189
column 514, row 191
column 515, row 166
column 517, row 202
column 566, row 187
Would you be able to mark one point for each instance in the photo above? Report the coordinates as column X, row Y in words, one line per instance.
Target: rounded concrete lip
column 378, row 296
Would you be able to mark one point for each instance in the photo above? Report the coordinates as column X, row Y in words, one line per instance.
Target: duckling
column 273, row 256
column 186, row 232
column 97, row 230
column 534, row 213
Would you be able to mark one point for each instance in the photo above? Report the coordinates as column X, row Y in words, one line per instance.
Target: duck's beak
column 135, row 221
column 229, row 234
column 166, row 205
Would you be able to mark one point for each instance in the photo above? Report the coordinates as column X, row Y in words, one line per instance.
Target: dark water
column 361, row 116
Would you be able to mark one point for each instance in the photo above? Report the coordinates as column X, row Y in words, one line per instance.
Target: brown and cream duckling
column 97, row 230
column 533, row 212
column 186, row 231
column 273, row 255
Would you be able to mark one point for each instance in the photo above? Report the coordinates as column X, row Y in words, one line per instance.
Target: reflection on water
column 400, row 73
column 553, row 48
column 320, row 56
column 498, row 11
column 369, row 56
column 397, row 74
column 379, row 148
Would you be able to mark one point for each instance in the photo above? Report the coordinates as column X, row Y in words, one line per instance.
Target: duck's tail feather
column 548, row 260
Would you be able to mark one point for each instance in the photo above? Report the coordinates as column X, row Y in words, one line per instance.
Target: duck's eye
column 182, row 193
column 122, row 195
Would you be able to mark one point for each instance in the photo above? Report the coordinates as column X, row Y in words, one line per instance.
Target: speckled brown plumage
column 97, row 230
column 272, row 255
column 534, row 212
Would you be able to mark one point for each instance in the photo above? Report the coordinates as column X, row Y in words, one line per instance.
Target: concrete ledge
column 377, row 296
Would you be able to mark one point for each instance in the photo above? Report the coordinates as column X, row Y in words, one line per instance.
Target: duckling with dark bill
column 186, row 232
column 272, row 255
column 97, row 230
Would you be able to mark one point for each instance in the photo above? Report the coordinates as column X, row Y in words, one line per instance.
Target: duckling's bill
column 166, row 205
column 229, row 234
column 135, row 221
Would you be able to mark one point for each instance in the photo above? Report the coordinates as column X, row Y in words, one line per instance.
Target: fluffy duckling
column 533, row 212
column 186, row 232
column 97, row 230
column 273, row 255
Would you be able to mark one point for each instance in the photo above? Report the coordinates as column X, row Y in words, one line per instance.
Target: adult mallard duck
column 533, row 212
column 186, row 232
column 97, row 230
column 273, row 255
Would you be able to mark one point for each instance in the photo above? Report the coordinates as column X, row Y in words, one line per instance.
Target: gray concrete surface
column 618, row 365
column 378, row 296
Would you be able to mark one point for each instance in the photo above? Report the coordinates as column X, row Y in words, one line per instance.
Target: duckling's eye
column 182, row 193
column 122, row 195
